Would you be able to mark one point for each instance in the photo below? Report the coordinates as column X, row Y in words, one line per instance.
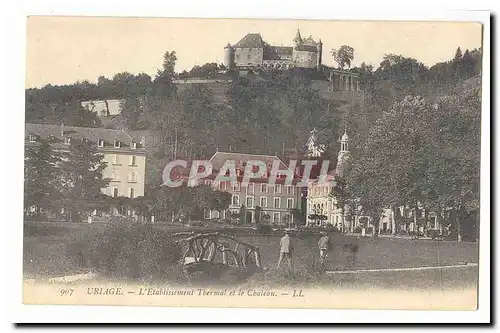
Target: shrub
column 264, row 229
column 129, row 251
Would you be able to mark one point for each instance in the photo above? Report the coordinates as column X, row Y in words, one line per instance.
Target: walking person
column 286, row 250
column 324, row 246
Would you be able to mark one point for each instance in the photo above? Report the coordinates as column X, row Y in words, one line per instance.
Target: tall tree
column 41, row 177
column 82, row 178
column 343, row 56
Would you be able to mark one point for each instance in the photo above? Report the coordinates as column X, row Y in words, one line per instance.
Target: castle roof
column 309, row 41
column 298, row 38
column 250, row 41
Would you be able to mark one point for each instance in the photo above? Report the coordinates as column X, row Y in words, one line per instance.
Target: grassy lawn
column 371, row 253
column 48, row 254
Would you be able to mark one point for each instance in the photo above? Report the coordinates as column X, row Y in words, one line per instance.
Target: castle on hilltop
column 253, row 52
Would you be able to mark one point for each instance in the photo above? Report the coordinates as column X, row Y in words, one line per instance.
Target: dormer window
column 67, row 141
column 32, row 138
column 133, row 145
column 100, row 143
column 117, row 144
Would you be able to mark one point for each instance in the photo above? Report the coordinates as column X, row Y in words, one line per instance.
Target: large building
column 253, row 52
column 276, row 201
column 321, row 202
column 124, row 155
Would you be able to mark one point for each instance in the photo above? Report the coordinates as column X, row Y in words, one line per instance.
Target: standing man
column 324, row 246
column 286, row 250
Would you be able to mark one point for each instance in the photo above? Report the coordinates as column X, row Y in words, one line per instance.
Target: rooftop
column 250, row 41
column 92, row 134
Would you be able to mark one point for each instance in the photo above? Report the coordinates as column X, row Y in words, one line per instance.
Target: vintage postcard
column 253, row 163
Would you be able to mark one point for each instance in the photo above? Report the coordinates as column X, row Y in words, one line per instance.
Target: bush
column 264, row 229
column 359, row 229
column 432, row 233
column 130, row 251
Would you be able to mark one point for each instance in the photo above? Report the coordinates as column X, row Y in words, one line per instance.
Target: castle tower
column 343, row 153
column 298, row 39
column 228, row 56
column 319, row 46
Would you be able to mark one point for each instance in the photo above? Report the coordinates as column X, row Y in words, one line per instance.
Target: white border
column 14, row 51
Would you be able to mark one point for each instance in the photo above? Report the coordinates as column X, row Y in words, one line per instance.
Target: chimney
column 143, row 141
column 62, row 129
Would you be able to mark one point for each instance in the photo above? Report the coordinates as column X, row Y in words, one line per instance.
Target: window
column 249, row 201
column 116, row 159
column 222, row 186
column 117, row 144
column 114, row 177
column 133, row 145
column 289, row 203
column 250, row 189
column 132, row 160
column 277, row 202
column 235, row 201
column 206, row 214
column 263, row 188
column 263, row 201
column 207, row 182
column 289, row 189
column 131, row 177
column 100, row 143
column 236, row 186
column 115, row 192
column 276, row 217
column 277, row 189
column 131, row 193
column 32, row 138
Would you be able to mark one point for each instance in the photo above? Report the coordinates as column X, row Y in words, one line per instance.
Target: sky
column 63, row 50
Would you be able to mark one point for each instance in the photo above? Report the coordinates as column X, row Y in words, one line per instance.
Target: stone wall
column 248, row 56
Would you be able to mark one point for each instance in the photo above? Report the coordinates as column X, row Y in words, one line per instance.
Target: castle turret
column 319, row 46
column 228, row 56
column 298, row 39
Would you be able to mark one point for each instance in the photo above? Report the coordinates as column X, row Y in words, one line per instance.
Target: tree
column 163, row 82
column 41, row 177
column 458, row 54
column 243, row 214
column 130, row 111
column 82, row 178
column 343, row 56
column 258, row 214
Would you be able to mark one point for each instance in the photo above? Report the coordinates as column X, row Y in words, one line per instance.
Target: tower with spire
column 343, row 155
column 313, row 148
column 297, row 41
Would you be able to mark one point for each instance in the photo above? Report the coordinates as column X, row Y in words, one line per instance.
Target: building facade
column 322, row 208
column 253, row 52
column 276, row 202
column 124, row 155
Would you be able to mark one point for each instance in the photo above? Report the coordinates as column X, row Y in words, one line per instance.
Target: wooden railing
column 204, row 247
